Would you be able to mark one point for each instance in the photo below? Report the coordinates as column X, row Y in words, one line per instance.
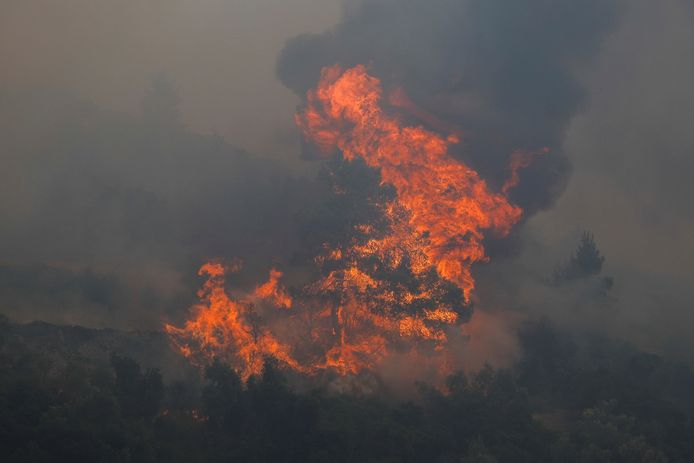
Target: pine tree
column 585, row 262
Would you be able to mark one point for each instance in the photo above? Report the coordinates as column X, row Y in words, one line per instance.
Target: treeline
column 567, row 400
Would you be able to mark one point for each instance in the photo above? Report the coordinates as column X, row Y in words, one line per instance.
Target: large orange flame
column 353, row 317
column 446, row 200
column 223, row 328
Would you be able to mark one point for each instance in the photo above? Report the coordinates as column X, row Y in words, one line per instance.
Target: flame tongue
column 446, row 200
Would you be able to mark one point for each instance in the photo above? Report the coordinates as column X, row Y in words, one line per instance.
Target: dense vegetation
column 569, row 399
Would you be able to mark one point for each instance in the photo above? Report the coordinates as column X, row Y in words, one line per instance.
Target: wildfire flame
column 445, row 199
column 357, row 312
column 223, row 328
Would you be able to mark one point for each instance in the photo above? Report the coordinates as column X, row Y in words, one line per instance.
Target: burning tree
column 393, row 252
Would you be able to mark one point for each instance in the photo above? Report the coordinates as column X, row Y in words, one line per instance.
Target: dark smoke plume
column 500, row 71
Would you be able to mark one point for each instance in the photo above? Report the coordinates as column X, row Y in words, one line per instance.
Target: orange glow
column 519, row 160
column 392, row 289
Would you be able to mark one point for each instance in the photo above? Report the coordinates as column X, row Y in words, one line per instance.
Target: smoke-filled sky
column 633, row 155
column 220, row 53
column 107, row 210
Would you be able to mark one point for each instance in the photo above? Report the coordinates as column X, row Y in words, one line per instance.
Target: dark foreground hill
column 78, row 394
column 71, row 343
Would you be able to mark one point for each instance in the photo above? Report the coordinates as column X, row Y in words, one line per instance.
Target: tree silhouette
column 585, row 262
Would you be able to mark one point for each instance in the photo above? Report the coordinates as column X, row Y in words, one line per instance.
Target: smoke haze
column 137, row 140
